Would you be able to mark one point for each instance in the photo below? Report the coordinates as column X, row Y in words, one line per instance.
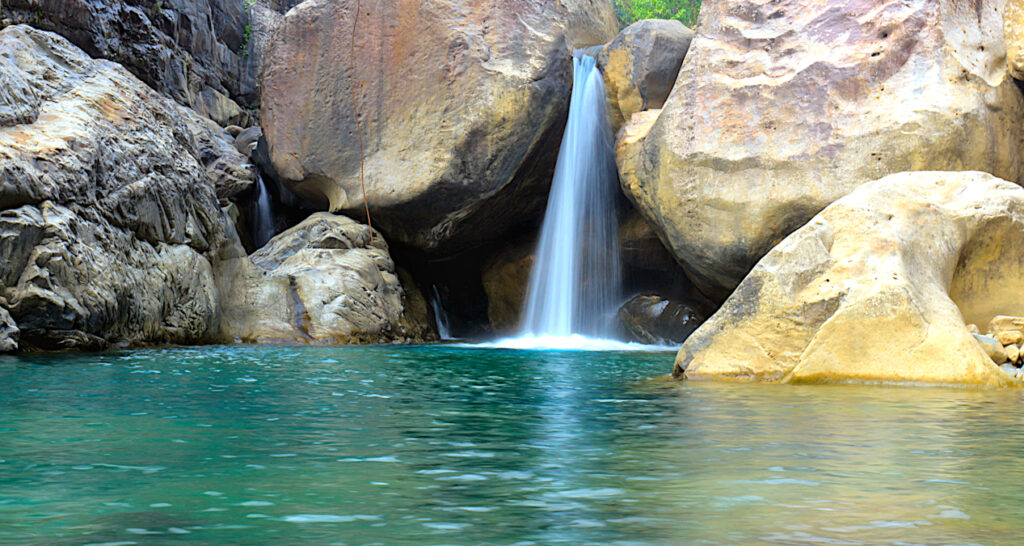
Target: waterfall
column 575, row 283
column 440, row 316
column 263, row 219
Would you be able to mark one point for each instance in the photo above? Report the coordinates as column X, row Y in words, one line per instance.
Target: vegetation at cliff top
column 631, row 11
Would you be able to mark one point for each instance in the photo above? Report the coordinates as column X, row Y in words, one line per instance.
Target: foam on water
column 573, row 342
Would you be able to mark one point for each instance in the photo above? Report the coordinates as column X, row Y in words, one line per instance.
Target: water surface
column 460, row 445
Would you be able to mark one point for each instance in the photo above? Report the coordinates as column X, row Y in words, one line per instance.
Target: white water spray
column 575, row 284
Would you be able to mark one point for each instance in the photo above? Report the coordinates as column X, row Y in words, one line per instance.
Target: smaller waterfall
column 576, row 281
column 263, row 219
column 440, row 316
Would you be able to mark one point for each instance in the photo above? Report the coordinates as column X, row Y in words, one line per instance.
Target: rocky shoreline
column 812, row 191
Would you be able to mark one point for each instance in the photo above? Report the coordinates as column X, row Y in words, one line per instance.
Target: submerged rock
column 108, row 211
column 650, row 318
column 321, row 281
column 780, row 108
column 877, row 287
column 460, row 107
column 641, row 64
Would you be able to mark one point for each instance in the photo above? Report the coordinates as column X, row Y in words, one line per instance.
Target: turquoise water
column 448, row 445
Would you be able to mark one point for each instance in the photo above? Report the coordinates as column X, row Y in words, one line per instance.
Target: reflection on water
column 462, row 445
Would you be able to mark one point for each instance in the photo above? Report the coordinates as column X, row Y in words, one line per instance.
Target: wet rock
column 878, row 287
column 320, row 282
column 108, row 211
column 461, row 106
column 506, row 277
column 780, row 108
column 246, row 140
column 641, row 64
column 650, row 318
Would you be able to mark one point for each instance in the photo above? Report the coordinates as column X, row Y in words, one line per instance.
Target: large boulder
column 178, row 47
column 1013, row 30
column 641, row 64
column 460, row 107
column 505, row 278
column 324, row 282
column 782, row 107
column 877, row 287
column 108, row 211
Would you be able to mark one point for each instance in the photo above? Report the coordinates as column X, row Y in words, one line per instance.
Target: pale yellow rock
column 1012, row 353
column 782, row 107
column 1013, row 32
column 973, row 328
column 1010, row 337
column 1003, row 324
column 877, row 288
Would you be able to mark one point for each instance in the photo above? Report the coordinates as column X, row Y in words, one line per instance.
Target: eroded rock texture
column 879, row 286
column 322, row 282
column 783, row 107
column 178, row 47
column 108, row 207
column 460, row 104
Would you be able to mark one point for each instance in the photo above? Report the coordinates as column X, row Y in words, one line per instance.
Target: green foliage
column 246, row 41
column 631, row 11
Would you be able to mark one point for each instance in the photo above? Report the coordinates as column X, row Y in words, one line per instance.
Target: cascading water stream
column 440, row 316
column 263, row 219
column 575, row 284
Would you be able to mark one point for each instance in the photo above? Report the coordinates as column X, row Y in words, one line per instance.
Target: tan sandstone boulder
column 108, row 211
column 461, row 105
column 782, row 107
column 877, row 287
column 321, row 282
column 641, row 64
column 1013, row 30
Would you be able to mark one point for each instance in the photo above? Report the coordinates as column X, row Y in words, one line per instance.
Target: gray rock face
column 460, row 107
column 178, row 47
column 8, row 332
column 641, row 64
column 323, row 282
column 108, row 210
column 650, row 318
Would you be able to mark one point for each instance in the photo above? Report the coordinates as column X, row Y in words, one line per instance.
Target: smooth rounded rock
column 641, row 64
column 782, row 107
column 460, row 107
column 878, row 288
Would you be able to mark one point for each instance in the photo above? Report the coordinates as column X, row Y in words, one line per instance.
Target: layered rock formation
column 640, row 66
column 460, row 106
column 323, row 282
column 108, row 212
column 782, row 107
column 178, row 47
column 877, row 287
